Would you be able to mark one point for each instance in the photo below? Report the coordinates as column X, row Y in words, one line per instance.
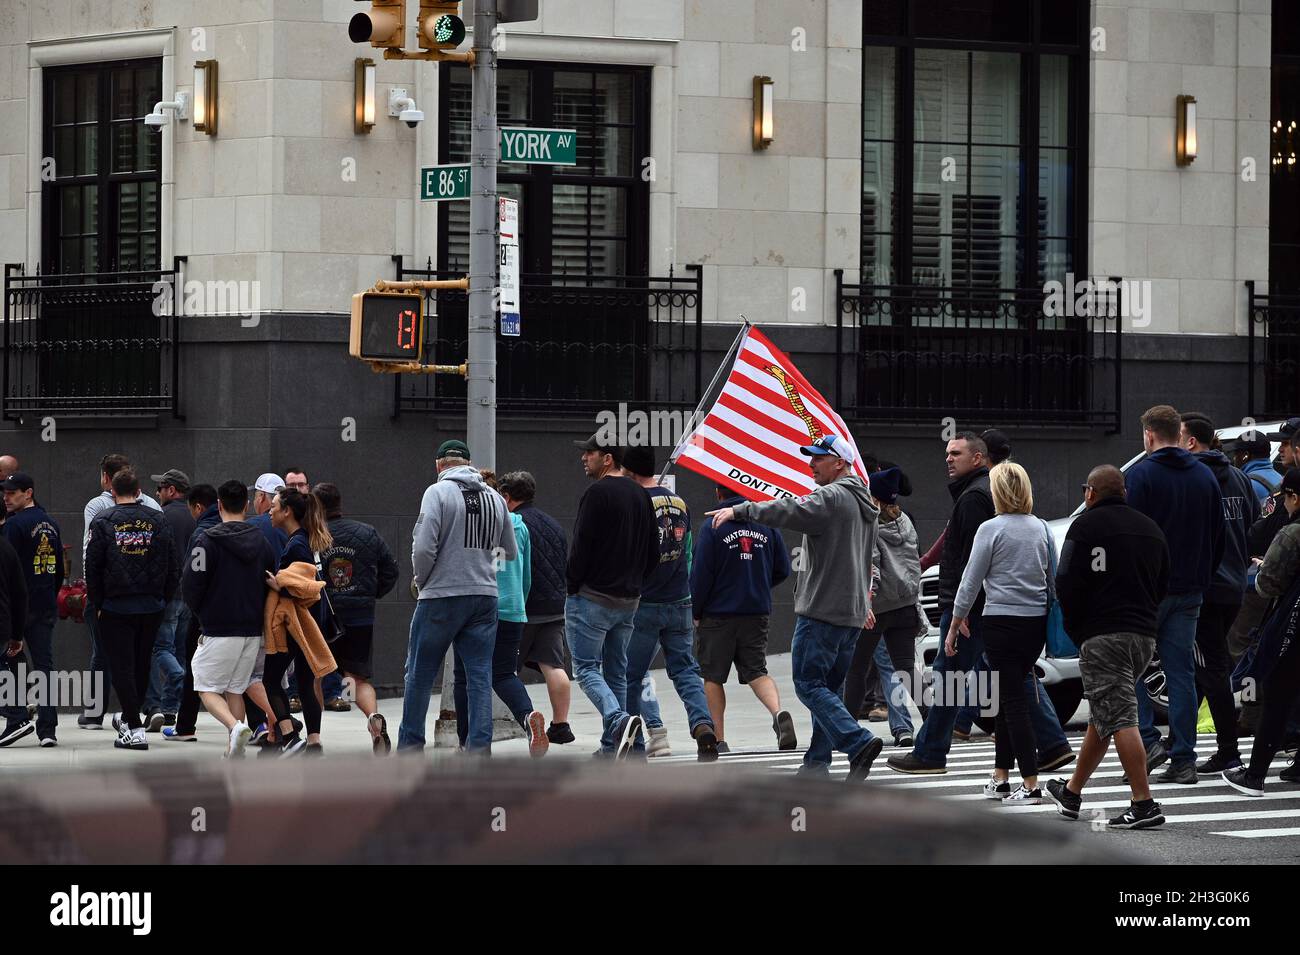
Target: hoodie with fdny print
column 462, row 530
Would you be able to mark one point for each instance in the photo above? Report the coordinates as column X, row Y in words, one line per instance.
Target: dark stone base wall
column 277, row 395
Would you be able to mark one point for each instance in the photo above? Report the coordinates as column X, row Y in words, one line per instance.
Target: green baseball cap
column 453, row 449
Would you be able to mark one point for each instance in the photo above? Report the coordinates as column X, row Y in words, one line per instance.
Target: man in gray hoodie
column 832, row 596
column 463, row 531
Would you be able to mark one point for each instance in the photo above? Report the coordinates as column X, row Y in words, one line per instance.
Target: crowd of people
column 1189, row 556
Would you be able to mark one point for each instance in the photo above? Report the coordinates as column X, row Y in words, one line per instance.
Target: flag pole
column 693, row 421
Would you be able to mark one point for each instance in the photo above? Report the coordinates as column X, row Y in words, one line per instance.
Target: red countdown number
column 406, row 329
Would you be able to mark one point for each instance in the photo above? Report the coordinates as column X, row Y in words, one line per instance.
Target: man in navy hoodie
column 1224, row 598
column 735, row 568
column 1182, row 496
column 35, row 536
column 202, row 502
column 224, row 585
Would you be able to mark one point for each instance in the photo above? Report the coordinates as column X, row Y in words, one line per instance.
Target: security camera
column 158, row 118
column 404, row 108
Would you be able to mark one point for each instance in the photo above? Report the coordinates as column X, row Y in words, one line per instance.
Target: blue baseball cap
column 831, row 444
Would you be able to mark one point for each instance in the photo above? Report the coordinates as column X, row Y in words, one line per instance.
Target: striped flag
column 749, row 440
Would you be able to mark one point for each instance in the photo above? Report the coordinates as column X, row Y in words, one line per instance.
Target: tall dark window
column 973, row 129
column 100, row 210
column 588, row 219
column 1284, row 168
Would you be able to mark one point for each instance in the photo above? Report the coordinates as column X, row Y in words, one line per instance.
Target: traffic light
column 387, row 326
column 441, row 27
column 384, row 25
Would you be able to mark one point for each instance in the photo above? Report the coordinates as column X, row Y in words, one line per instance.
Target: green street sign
column 439, row 183
column 546, row 147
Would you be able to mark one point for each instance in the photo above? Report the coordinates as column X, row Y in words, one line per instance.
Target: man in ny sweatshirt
column 1181, row 495
column 1227, row 589
column 832, row 599
column 462, row 533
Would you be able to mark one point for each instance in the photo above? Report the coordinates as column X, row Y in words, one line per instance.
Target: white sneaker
column 997, row 790
column 1024, row 797
column 239, row 737
column 657, row 745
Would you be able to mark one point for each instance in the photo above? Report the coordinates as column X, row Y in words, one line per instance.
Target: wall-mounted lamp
column 364, row 95
column 763, row 122
column 1185, row 144
column 205, row 96
column 180, row 106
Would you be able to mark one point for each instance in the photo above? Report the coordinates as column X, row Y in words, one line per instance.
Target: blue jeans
column 469, row 624
column 935, row 738
column 38, row 641
column 669, row 626
column 1175, row 640
column 598, row 641
column 891, row 684
column 166, row 672
column 505, row 679
column 820, row 656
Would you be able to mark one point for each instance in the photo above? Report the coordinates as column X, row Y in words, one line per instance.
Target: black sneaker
column 295, row 705
column 904, row 739
column 313, row 749
column 1182, row 773
column 1292, row 773
column 1057, row 759
column 16, row 731
column 910, row 764
column 706, row 743
column 1240, row 780
column 1067, row 803
column 723, row 747
column 1157, row 754
column 169, row 719
column 153, row 723
column 860, row 765
column 559, row 734
column 625, row 736
column 783, row 726
column 1138, row 817
column 292, row 746
column 1217, row 764
column 90, row 723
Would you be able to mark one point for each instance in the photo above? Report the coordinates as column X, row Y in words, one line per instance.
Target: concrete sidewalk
column 747, row 726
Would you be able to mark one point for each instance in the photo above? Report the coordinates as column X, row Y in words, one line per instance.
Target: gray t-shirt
column 1009, row 559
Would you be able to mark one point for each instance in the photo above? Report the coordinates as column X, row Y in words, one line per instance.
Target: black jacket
column 615, row 539
column 1273, row 517
column 13, row 596
column 972, row 506
column 228, row 593
column 35, row 537
column 549, row 546
column 132, row 553
column 1113, row 572
column 177, row 514
column 1240, row 511
column 210, row 517
column 358, row 569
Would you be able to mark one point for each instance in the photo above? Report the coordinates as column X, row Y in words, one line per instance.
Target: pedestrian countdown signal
column 387, row 326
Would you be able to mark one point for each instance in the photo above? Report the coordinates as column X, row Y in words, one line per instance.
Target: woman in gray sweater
column 1010, row 560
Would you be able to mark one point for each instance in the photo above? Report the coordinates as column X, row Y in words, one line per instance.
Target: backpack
column 1270, row 486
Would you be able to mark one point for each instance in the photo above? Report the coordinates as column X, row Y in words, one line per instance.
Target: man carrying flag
column 838, row 519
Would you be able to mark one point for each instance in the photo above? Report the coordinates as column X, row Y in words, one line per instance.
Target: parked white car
column 1060, row 675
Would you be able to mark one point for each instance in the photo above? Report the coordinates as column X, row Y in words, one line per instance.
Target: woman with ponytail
column 302, row 518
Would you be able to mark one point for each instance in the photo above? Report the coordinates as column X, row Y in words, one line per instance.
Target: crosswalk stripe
column 1235, row 816
column 1259, row 833
column 1228, row 796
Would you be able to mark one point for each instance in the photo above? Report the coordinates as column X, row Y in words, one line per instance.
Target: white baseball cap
column 831, row 444
column 268, row 482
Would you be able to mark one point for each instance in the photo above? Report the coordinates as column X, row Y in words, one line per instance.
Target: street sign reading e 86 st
column 439, row 183
column 387, row 326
